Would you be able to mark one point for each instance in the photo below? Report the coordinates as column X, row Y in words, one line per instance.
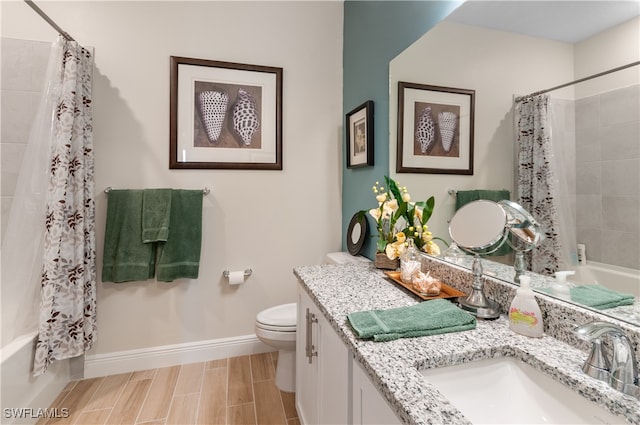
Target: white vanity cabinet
column 322, row 368
column 369, row 407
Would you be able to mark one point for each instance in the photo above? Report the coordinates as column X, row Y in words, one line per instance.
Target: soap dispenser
column 560, row 287
column 525, row 316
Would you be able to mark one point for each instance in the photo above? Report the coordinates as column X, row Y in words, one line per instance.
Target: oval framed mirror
column 356, row 233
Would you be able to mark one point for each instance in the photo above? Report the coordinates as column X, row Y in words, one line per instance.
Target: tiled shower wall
column 24, row 66
column 608, row 176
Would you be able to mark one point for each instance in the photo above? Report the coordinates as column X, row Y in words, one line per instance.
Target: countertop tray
column 446, row 291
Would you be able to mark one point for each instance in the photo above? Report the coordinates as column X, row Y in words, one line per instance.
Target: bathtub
column 617, row 278
column 22, row 394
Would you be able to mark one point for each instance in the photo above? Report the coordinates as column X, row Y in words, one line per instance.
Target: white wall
column 269, row 221
column 615, row 47
column 497, row 65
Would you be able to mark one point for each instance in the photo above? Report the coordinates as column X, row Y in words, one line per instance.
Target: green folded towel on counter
column 599, row 297
column 431, row 317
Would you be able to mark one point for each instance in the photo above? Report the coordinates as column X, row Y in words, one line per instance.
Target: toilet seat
column 281, row 318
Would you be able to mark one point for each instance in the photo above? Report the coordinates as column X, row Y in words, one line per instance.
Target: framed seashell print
column 359, row 125
column 435, row 129
column 224, row 115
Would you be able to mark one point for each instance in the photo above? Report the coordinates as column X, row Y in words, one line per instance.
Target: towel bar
column 205, row 191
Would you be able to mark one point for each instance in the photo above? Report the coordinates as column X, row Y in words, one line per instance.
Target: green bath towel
column 156, row 209
column 179, row 256
column 427, row 318
column 125, row 257
column 599, row 297
column 463, row 197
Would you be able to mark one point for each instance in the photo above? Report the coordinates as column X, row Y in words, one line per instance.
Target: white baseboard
column 170, row 355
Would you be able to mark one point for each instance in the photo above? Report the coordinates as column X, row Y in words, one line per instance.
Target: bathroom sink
column 505, row 390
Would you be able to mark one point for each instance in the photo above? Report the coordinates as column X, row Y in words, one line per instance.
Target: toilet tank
column 343, row 258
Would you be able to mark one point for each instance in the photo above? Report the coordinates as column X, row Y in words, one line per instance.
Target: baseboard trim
column 170, row 355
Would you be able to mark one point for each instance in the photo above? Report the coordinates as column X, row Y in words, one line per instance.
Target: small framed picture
column 435, row 129
column 225, row 115
column 359, row 125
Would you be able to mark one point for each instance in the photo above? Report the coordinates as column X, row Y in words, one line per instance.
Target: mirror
column 479, row 238
column 356, row 233
column 469, row 235
column 484, row 55
column 482, row 227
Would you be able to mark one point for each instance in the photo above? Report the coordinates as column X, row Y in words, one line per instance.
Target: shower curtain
column 67, row 319
column 537, row 185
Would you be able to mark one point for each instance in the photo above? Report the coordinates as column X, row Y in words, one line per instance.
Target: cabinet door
column 369, row 406
column 333, row 375
column 306, row 372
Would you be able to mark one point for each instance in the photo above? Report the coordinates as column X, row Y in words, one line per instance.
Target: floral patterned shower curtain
column 537, row 185
column 67, row 322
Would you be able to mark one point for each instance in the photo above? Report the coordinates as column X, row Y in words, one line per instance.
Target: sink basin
column 505, row 390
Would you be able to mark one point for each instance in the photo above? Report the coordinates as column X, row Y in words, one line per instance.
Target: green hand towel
column 599, row 297
column 463, row 197
column 179, row 256
column 427, row 318
column 125, row 257
column 156, row 209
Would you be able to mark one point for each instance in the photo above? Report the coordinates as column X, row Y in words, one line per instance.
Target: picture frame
column 359, row 141
column 224, row 115
column 435, row 129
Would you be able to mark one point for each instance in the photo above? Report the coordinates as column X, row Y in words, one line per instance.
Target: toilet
column 276, row 327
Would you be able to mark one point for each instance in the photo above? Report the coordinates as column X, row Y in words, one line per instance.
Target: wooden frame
column 359, row 125
column 435, row 129
column 224, row 115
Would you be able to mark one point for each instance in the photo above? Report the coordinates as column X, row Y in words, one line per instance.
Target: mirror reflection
column 593, row 225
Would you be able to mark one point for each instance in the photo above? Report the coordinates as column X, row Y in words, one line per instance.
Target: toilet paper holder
column 247, row 273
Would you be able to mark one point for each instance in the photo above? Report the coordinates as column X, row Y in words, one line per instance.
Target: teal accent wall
column 374, row 33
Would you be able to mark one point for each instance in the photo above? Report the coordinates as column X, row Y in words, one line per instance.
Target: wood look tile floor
column 233, row 391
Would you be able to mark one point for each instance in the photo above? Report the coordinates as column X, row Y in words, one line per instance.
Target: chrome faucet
column 621, row 372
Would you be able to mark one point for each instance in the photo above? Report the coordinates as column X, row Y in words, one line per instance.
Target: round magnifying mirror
column 525, row 231
column 479, row 226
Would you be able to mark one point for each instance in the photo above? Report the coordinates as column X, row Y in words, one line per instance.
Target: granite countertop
column 394, row 367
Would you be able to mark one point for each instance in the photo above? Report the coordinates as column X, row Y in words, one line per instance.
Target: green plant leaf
column 393, row 188
column 427, row 210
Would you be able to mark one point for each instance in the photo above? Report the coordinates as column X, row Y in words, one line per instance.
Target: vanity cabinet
column 369, row 407
column 322, row 368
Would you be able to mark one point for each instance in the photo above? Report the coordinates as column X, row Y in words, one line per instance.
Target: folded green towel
column 125, row 257
column 179, row 256
column 463, row 197
column 156, row 209
column 427, row 318
column 599, row 297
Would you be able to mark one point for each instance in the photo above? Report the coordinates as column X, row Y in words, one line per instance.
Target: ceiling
column 566, row 21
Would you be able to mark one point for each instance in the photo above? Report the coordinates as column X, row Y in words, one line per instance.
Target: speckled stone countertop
column 394, row 367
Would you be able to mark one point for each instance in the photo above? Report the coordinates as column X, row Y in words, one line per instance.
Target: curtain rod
column 50, row 21
column 600, row 74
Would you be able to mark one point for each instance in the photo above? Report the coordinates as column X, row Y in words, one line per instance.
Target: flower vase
column 383, row 262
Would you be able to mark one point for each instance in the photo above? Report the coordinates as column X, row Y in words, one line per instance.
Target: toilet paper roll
column 236, row 277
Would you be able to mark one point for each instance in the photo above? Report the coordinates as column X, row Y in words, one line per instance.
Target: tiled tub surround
column 394, row 366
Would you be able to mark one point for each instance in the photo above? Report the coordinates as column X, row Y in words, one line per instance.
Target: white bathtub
column 617, row 278
column 19, row 389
